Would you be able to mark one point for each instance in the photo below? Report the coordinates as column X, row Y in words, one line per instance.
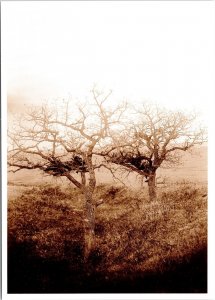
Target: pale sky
column 159, row 51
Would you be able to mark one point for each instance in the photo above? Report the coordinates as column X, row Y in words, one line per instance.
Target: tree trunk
column 89, row 223
column 152, row 187
column 90, row 209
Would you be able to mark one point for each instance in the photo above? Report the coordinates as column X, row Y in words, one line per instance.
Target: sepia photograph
column 106, row 113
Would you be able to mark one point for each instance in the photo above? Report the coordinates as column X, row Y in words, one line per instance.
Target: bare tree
column 157, row 138
column 63, row 141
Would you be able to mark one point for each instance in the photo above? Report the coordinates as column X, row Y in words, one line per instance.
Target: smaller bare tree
column 157, row 138
column 63, row 141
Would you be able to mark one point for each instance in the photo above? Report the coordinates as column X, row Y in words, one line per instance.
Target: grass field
column 141, row 247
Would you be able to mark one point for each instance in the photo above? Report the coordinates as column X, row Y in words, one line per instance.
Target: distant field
column 193, row 168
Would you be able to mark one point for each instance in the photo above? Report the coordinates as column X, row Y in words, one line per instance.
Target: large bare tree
column 63, row 141
column 157, row 137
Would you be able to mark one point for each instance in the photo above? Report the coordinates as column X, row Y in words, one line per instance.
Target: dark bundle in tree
column 57, row 168
column 141, row 163
column 138, row 161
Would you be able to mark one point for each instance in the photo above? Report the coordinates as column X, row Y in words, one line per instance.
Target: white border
column 4, row 163
column 211, row 210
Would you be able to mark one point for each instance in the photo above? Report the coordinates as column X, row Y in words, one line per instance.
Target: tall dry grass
column 133, row 236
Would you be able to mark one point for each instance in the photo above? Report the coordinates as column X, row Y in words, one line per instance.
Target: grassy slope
column 141, row 246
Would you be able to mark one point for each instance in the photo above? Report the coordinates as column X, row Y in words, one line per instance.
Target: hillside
column 144, row 247
column 141, row 247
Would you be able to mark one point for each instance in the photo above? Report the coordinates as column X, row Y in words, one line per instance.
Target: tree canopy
column 156, row 138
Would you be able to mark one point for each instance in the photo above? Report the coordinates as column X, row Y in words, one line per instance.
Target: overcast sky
column 160, row 51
